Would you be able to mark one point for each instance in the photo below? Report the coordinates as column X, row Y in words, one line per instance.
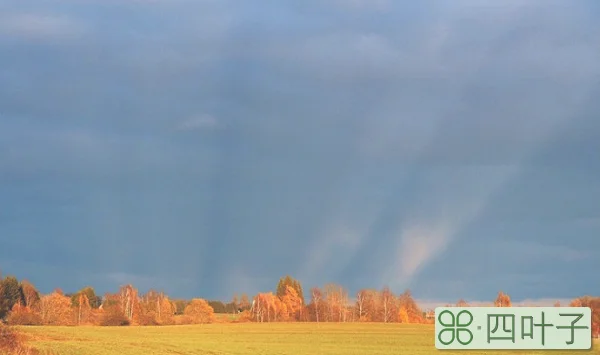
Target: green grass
column 245, row 339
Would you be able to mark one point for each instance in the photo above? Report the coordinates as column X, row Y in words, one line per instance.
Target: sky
column 211, row 147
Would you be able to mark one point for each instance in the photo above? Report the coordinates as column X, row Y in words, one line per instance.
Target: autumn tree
column 10, row 294
column 336, row 299
column 286, row 281
column 366, row 305
column 128, row 300
column 329, row 304
column 576, row 303
column 268, row 302
column 31, row 296
column 406, row 301
column 403, row 315
column 180, row 306
column 361, row 299
column 55, row 309
column 594, row 304
column 292, row 302
column 462, row 303
column 316, row 296
column 93, row 300
column 156, row 308
column 198, row 311
column 85, row 302
column 235, row 302
column 264, row 307
column 258, row 308
column 267, row 307
column 331, row 299
column 388, row 306
column 166, row 311
column 218, row 306
column 84, row 309
column 23, row 315
column 111, row 313
column 280, row 310
column 149, row 308
column 503, row 300
column 244, row 302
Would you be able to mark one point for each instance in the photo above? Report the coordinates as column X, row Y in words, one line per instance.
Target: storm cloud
column 211, row 147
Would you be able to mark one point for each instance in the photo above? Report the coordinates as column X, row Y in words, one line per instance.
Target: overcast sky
column 209, row 147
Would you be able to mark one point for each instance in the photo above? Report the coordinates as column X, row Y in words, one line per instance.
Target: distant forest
column 22, row 304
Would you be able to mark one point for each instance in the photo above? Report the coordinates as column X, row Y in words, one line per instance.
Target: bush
column 147, row 319
column 113, row 317
column 8, row 339
column 11, row 343
column 199, row 311
column 23, row 316
column 245, row 317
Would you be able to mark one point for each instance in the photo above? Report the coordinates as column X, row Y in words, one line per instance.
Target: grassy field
column 244, row 339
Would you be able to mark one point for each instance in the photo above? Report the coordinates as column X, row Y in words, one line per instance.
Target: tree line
column 22, row 304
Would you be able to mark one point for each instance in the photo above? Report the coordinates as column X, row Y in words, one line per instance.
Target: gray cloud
column 39, row 27
column 358, row 150
column 198, row 122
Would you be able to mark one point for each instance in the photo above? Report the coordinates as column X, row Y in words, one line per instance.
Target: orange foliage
column 12, row 343
column 245, row 316
column 110, row 312
column 55, row 309
column 403, row 315
column 281, row 310
column 366, row 305
column 128, row 301
column 111, row 315
column 462, row 303
column 291, row 304
column 155, row 309
column 594, row 304
column 22, row 315
column 414, row 313
column 329, row 305
column 264, row 307
column 199, row 312
column 503, row 300
column 83, row 310
column 31, row 296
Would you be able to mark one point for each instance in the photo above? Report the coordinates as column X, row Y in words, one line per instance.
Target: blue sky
column 210, row 147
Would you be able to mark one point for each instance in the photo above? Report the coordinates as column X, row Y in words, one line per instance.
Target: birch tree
column 387, row 303
column 316, row 297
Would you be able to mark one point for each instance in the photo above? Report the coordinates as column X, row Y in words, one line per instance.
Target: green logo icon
column 513, row 328
column 457, row 327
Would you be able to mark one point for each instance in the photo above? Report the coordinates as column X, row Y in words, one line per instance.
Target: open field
column 244, row 339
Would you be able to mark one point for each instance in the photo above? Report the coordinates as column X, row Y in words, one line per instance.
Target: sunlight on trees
column 503, row 300
column 199, row 312
column 22, row 304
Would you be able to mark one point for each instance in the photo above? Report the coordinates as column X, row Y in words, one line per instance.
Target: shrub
column 147, row 319
column 113, row 317
column 245, row 317
column 12, row 344
column 23, row 316
column 199, row 311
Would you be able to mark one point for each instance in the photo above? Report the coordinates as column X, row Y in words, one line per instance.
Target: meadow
column 246, row 339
